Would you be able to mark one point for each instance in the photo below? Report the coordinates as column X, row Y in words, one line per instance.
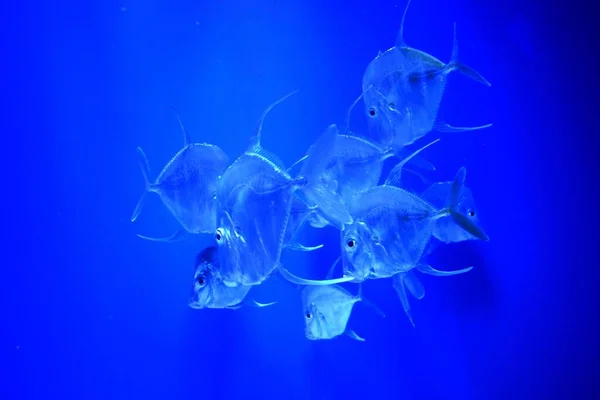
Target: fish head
column 204, row 278
column 314, row 322
column 466, row 206
column 379, row 116
column 357, row 251
column 231, row 245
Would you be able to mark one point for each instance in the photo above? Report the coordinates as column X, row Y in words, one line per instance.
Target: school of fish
column 255, row 207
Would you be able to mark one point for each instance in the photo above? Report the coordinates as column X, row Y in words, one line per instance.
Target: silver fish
column 327, row 310
column 368, row 261
column 208, row 290
column 403, row 90
column 187, row 186
column 393, row 228
column 255, row 195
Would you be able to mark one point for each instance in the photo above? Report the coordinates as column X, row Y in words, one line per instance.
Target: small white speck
column 123, row 9
column 197, row 23
column 17, row 347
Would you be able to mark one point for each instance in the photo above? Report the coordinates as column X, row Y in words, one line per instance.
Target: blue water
column 90, row 311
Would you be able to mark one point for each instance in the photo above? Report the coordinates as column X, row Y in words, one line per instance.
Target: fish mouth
column 195, row 304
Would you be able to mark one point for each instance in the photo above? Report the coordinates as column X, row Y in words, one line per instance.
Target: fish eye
column 351, row 243
column 308, row 315
column 471, row 213
column 201, row 281
column 219, row 235
column 372, row 111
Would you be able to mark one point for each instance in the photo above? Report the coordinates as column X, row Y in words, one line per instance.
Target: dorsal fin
column 347, row 122
column 400, row 38
column 394, row 178
column 270, row 156
column 255, row 139
column 186, row 137
column 454, row 56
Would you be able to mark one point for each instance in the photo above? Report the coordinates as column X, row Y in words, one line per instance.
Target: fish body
column 327, row 310
column 403, row 89
column 208, row 290
column 187, row 185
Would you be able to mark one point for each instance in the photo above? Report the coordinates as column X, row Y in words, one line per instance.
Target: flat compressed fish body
column 327, row 310
column 208, row 289
column 188, row 184
column 254, row 171
column 251, row 234
column 402, row 103
column 355, row 166
column 403, row 88
column 390, row 234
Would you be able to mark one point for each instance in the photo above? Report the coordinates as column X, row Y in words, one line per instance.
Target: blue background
column 91, row 311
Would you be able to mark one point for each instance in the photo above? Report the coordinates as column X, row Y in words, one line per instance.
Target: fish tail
column 455, row 64
column 143, row 160
column 452, row 209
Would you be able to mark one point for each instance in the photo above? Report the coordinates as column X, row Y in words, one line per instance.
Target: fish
column 327, row 310
column 445, row 230
column 404, row 87
column 393, row 233
column 208, row 290
column 186, row 186
column 367, row 253
column 393, row 228
column 354, row 166
column 254, row 197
